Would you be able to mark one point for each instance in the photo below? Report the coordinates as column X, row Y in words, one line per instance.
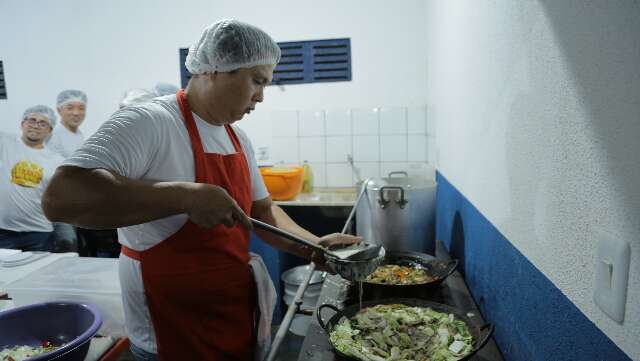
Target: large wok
column 480, row 334
column 436, row 269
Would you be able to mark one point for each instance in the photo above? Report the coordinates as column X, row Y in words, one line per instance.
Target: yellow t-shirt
column 24, row 175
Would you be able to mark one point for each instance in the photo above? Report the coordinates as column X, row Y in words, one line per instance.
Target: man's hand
column 329, row 240
column 209, row 205
column 336, row 239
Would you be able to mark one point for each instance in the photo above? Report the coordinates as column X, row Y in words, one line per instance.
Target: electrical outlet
column 612, row 275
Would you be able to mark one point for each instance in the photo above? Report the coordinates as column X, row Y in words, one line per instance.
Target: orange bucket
column 283, row 182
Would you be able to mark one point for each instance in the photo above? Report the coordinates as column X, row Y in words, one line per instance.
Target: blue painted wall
column 534, row 320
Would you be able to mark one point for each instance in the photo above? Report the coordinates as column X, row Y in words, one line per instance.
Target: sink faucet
column 355, row 170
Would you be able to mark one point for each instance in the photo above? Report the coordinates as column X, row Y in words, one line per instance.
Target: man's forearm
column 97, row 198
column 278, row 218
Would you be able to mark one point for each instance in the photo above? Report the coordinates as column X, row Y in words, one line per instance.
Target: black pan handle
column 327, row 305
column 453, row 264
column 487, row 335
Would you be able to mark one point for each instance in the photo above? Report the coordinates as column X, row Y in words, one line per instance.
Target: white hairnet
column 162, row 89
column 135, row 96
column 71, row 95
column 228, row 45
column 42, row 110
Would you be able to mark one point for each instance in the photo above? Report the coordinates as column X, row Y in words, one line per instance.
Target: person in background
column 162, row 89
column 179, row 180
column 67, row 136
column 136, row 96
column 26, row 167
column 65, row 139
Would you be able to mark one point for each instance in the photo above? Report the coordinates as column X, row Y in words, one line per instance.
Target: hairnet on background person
column 162, row 89
column 135, row 96
column 228, row 44
column 71, row 95
column 42, row 110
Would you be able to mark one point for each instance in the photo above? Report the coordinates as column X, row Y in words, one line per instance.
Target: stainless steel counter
column 324, row 197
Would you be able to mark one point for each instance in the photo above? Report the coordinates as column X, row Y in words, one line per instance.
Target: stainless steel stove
column 339, row 292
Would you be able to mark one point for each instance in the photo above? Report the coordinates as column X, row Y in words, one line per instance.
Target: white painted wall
column 107, row 47
column 537, row 106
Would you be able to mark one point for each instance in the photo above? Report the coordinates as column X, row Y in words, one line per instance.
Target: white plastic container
column 79, row 279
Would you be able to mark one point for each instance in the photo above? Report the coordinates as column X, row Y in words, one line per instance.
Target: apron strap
column 131, row 253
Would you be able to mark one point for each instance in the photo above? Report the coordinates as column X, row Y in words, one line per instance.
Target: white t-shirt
column 65, row 142
column 150, row 141
column 24, row 175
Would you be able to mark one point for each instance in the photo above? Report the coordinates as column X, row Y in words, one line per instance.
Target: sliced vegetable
column 399, row 275
column 402, row 333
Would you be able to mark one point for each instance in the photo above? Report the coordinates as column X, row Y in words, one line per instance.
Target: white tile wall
column 432, row 151
column 417, row 148
column 393, row 121
column 380, row 140
column 366, row 148
column 431, row 122
column 285, row 123
column 417, row 120
column 393, row 148
column 367, row 170
column 319, row 174
column 365, row 121
column 338, row 122
column 285, row 149
column 311, row 123
column 338, row 148
column 312, row 149
column 339, row 175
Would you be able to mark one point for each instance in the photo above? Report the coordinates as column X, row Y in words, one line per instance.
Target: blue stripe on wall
column 534, row 320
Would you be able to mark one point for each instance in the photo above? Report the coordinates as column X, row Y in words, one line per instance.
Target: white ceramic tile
column 393, row 120
column 338, row 148
column 312, row 149
column 393, row 148
column 365, row 121
column 311, row 123
column 431, row 121
column 284, row 123
column 367, row 170
column 339, row 175
column 432, row 155
column 319, row 174
column 417, row 148
column 285, row 149
column 366, row 148
column 388, row 167
column 338, row 122
column 417, row 120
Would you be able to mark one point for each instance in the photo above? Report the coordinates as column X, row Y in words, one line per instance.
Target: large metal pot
column 398, row 212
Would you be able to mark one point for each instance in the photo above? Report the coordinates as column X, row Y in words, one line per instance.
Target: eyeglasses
column 40, row 123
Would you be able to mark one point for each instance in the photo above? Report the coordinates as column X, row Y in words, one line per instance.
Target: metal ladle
column 365, row 253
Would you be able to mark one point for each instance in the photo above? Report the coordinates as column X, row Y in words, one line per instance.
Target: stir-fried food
column 19, row 353
column 399, row 275
column 402, row 333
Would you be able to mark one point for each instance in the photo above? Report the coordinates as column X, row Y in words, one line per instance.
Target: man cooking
column 179, row 180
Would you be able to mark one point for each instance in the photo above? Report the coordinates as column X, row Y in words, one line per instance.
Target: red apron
column 198, row 283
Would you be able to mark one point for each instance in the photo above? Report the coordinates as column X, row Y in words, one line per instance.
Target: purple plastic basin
column 57, row 322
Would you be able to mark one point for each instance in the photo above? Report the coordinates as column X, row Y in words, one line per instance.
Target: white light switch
column 612, row 275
